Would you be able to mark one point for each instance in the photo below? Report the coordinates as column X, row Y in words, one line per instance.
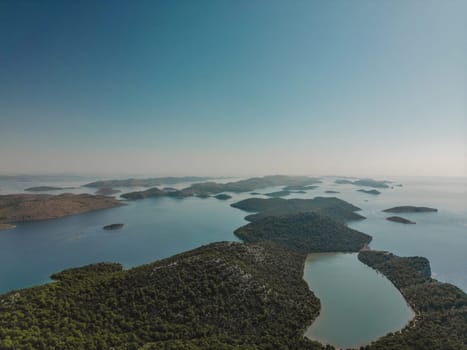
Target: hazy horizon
column 234, row 88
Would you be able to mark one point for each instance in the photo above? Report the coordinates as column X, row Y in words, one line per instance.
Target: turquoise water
column 358, row 305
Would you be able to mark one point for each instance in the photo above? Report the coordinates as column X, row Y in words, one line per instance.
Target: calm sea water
column 158, row 228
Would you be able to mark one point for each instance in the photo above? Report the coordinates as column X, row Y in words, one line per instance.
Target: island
column 373, row 192
column 410, row 209
column 113, row 227
column 331, row 191
column 205, row 189
column 47, row 188
column 364, row 182
column 15, row 208
column 147, row 182
column 107, row 191
column 332, row 207
column 400, row 220
column 222, row 196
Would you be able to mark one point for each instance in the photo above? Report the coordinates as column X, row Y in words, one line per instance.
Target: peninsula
column 441, row 308
column 219, row 296
column 16, row 208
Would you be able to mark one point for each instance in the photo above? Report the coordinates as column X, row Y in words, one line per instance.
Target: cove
column 358, row 305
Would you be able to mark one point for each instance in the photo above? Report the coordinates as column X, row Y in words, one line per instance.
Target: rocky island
column 410, row 209
column 364, row 182
column 282, row 193
column 331, row 191
column 16, row 208
column 147, row 182
column 400, row 220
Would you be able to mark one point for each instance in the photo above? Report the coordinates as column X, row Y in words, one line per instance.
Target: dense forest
column 305, row 233
column 228, row 295
column 332, row 207
column 441, row 308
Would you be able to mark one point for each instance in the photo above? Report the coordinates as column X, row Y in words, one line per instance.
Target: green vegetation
column 409, row 209
column 204, row 189
column 400, row 220
column 328, row 206
column 304, row 233
column 441, row 308
column 219, row 296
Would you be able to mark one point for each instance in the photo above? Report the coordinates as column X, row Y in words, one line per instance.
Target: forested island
column 16, row 208
column 400, row 220
column 410, row 209
column 332, row 207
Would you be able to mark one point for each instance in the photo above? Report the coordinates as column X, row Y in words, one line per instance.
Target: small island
column 222, row 196
column 113, row 227
column 331, row 191
column 299, row 188
column 400, row 220
column 410, row 209
column 373, row 192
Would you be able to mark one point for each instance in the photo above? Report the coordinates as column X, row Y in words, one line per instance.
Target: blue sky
column 233, row 87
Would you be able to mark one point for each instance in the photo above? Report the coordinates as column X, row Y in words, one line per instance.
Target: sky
column 239, row 87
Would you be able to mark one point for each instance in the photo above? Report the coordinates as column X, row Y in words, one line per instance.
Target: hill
column 305, row 233
column 329, row 206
